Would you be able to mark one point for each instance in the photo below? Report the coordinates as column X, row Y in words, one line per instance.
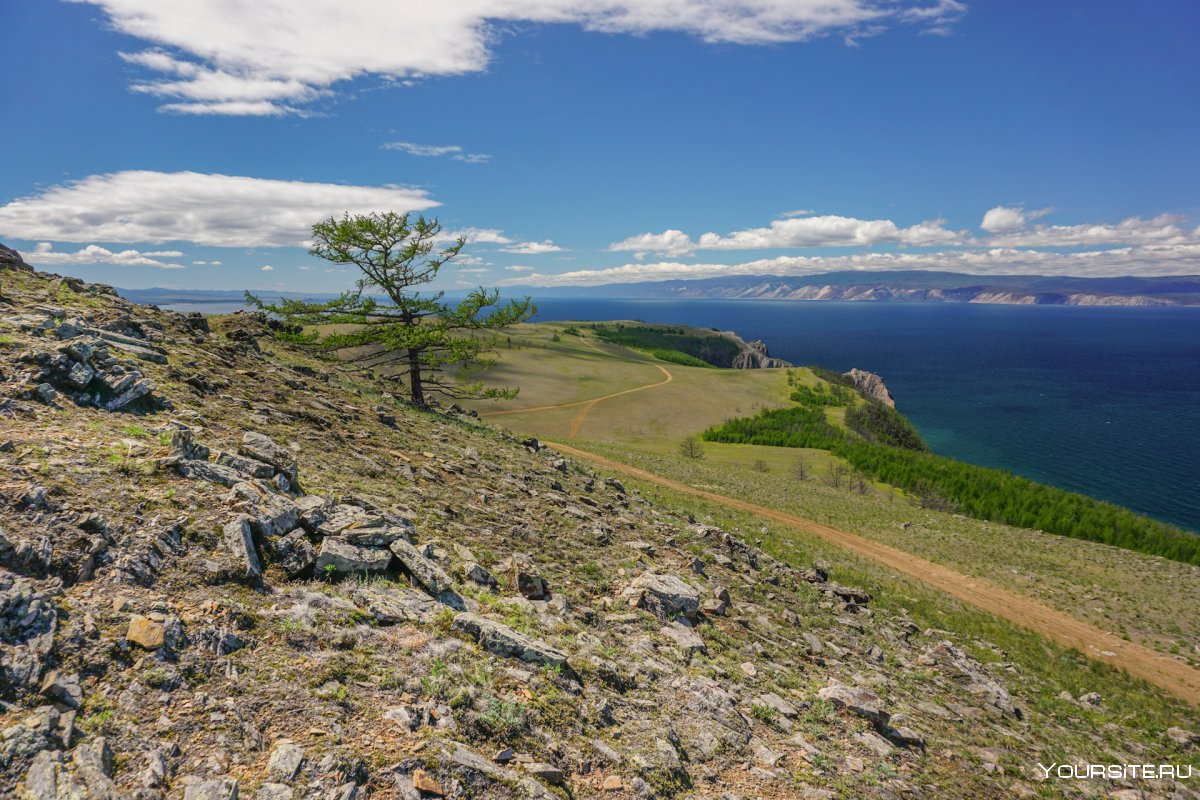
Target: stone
column 62, row 688
column 219, row 789
column 240, row 543
column 271, row 514
column 285, row 761
column 146, row 633
column 612, row 783
column 293, row 553
column 666, row 596
column 346, row 558
column 137, row 391
column 969, row 674
column 391, row 607
column 502, row 640
column 1184, row 737
column 80, row 375
column 685, row 637
column 208, row 471
column 545, row 772
column 424, row 782
column 774, row 701
column 520, row 571
column 45, row 393
column 477, row 574
column 262, row 448
column 249, row 467
column 857, row 700
column 423, row 571
column 274, row 791
column 312, row 510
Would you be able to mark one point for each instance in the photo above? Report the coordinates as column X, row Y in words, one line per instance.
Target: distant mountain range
column 911, row 286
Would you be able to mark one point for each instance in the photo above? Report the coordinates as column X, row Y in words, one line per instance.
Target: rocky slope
column 264, row 577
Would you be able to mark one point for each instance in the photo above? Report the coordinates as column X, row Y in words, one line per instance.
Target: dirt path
column 588, row 405
column 1141, row 662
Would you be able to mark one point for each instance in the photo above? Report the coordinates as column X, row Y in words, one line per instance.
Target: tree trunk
column 414, row 377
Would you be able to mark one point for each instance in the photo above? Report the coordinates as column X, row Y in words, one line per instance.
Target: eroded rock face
column 754, row 356
column 970, row 674
column 28, row 621
column 502, row 640
column 871, row 385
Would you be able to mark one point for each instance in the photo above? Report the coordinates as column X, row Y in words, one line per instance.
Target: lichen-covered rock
column 342, row 558
column 665, row 596
column 426, row 573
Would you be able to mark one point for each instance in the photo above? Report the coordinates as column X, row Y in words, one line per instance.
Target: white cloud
column 519, row 268
column 266, row 268
column 436, row 150
column 216, row 210
column 533, row 248
column 823, row 231
column 475, row 270
column 670, row 242
column 1003, row 219
column 799, row 212
column 1183, row 259
column 271, row 56
column 45, row 254
column 1163, row 229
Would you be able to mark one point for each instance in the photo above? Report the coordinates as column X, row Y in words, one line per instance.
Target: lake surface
column 1103, row 401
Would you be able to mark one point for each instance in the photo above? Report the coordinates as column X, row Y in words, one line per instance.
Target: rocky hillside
column 230, row 570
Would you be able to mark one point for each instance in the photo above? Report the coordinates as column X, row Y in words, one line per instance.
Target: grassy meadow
column 1146, row 599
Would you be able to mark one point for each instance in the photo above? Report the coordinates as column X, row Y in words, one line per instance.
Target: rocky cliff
column 263, row 577
column 872, row 386
column 754, row 356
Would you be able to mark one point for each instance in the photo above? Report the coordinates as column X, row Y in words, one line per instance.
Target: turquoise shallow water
column 1103, row 401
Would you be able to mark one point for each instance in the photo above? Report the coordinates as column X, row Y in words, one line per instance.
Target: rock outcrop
column 871, row 386
column 754, row 356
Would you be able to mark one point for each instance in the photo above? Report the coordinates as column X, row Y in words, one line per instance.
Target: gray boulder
column 502, row 640
column 346, row 558
column 428, row 574
column 665, row 596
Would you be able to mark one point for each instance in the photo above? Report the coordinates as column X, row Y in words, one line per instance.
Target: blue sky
column 587, row 142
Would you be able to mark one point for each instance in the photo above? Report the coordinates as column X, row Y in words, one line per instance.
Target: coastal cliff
column 754, row 355
column 871, row 385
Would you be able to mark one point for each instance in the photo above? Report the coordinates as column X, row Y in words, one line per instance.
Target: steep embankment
column 264, row 577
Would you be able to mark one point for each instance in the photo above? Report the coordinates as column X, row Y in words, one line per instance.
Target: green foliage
column 878, row 423
column 714, row 350
column 501, row 719
column 677, row 357
column 763, row 713
column 427, row 335
column 882, row 444
column 691, row 448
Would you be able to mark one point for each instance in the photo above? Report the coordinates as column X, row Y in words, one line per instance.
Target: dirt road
column 588, row 405
column 1157, row 668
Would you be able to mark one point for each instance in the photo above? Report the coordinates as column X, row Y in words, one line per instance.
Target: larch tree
column 385, row 320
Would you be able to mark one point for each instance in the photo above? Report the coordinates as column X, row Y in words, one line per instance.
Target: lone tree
column 385, row 316
column 691, row 448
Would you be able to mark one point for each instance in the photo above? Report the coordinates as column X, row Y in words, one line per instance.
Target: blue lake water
column 1103, row 401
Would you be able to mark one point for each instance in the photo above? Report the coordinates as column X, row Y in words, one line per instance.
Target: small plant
column 501, row 718
column 761, row 466
column 764, row 713
column 330, row 571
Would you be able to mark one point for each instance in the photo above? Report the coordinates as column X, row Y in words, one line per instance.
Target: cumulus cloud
column 266, row 268
column 519, row 268
column 1163, row 229
column 45, row 254
column 212, row 57
column 218, row 210
column 1181, row 259
column 436, row 150
column 533, row 248
column 672, row 243
column 822, row 231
